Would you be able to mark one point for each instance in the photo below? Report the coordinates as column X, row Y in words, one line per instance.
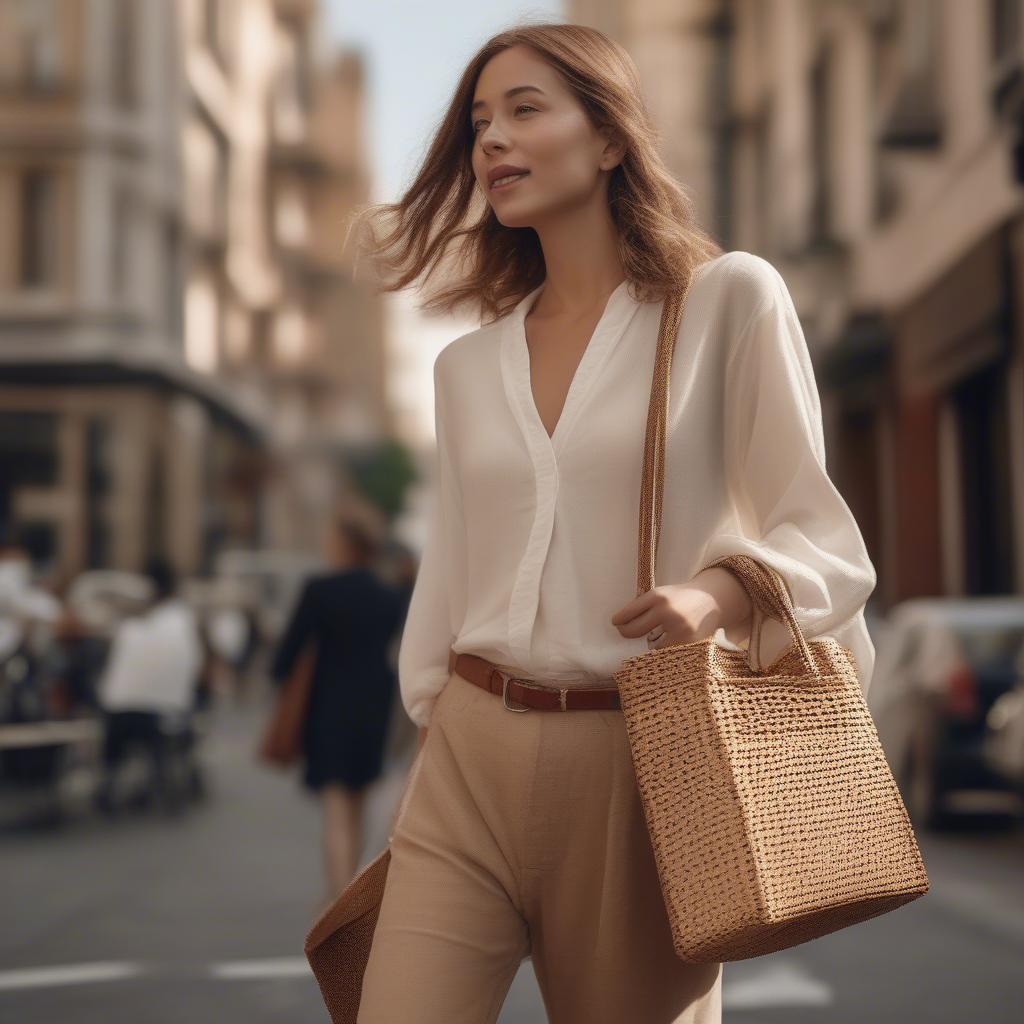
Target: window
column 41, row 539
column 1006, row 47
column 822, row 200
column 123, row 228
column 913, row 120
column 987, row 527
column 1006, row 28
column 155, row 519
column 38, row 241
column 99, row 475
column 174, row 314
column 723, row 135
column 29, row 451
column 763, row 178
column 919, row 30
column 125, row 48
column 31, row 44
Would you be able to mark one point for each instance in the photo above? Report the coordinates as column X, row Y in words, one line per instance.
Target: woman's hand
column 680, row 613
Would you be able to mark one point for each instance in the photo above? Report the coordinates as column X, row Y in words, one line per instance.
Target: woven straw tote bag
column 772, row 812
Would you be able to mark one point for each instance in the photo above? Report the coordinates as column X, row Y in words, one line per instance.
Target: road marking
column 778, row 985
column 121, row 970
column 782, row 984
column 278, row 967
column 68, row 974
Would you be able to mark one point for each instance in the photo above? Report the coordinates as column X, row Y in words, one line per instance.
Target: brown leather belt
column 488, row 676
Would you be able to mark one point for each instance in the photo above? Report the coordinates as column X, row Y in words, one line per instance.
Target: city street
column 202, row 918
column 333, row 339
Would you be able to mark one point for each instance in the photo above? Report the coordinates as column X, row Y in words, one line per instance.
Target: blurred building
column 182, row 355
column 323, row 355
column 871, row 149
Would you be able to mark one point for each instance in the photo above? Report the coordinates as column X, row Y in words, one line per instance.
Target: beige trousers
column 523, row 836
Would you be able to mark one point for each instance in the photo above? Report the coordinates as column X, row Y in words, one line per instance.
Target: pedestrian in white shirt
column 148, row 685
column 523, row 834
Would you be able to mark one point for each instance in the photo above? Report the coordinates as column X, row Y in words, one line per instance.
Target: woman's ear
column 614, row 150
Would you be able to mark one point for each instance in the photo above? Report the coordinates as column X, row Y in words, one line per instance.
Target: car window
column 986, row 645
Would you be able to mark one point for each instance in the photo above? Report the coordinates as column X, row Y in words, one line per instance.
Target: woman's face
column 542, row 130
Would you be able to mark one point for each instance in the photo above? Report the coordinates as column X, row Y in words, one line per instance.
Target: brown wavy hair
column 443, row 225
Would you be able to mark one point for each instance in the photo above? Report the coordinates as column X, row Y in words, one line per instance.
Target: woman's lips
column 503, row 183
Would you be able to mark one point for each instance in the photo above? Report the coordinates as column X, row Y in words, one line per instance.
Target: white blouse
column 532, row 540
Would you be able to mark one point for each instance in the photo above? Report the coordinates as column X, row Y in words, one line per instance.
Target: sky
column 414, row 54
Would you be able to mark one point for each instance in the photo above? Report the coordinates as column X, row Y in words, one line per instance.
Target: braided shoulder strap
column 769, row 594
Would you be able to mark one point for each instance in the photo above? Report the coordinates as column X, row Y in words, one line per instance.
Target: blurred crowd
column 107, row 681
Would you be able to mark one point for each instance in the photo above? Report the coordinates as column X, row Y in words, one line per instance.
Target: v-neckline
column 618, row 309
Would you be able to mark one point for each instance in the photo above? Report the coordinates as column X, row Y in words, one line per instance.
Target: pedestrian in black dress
column 350, row 615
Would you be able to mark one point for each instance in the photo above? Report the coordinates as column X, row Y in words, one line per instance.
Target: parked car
column 1004, row 739
column 941, row 666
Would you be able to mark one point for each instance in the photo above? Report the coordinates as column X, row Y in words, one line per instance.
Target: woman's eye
column 522, row 106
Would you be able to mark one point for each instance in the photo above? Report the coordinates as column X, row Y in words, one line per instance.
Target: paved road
column 202, row 919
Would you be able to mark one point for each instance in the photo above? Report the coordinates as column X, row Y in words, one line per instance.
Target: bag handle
column 767, row 589
column 769, row 598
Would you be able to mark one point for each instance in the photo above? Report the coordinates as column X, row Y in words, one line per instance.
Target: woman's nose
column 491, row 141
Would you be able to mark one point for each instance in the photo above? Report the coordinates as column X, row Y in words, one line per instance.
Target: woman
column 523, row 834
column 349, row 617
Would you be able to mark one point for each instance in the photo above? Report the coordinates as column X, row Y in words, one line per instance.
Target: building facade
column 172, row 330
column 871, row 150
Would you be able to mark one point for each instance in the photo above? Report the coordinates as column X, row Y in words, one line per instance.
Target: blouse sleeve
column 428, row 632
column 788, row 512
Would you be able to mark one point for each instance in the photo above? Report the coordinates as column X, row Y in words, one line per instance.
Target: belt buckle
column 504, row 695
